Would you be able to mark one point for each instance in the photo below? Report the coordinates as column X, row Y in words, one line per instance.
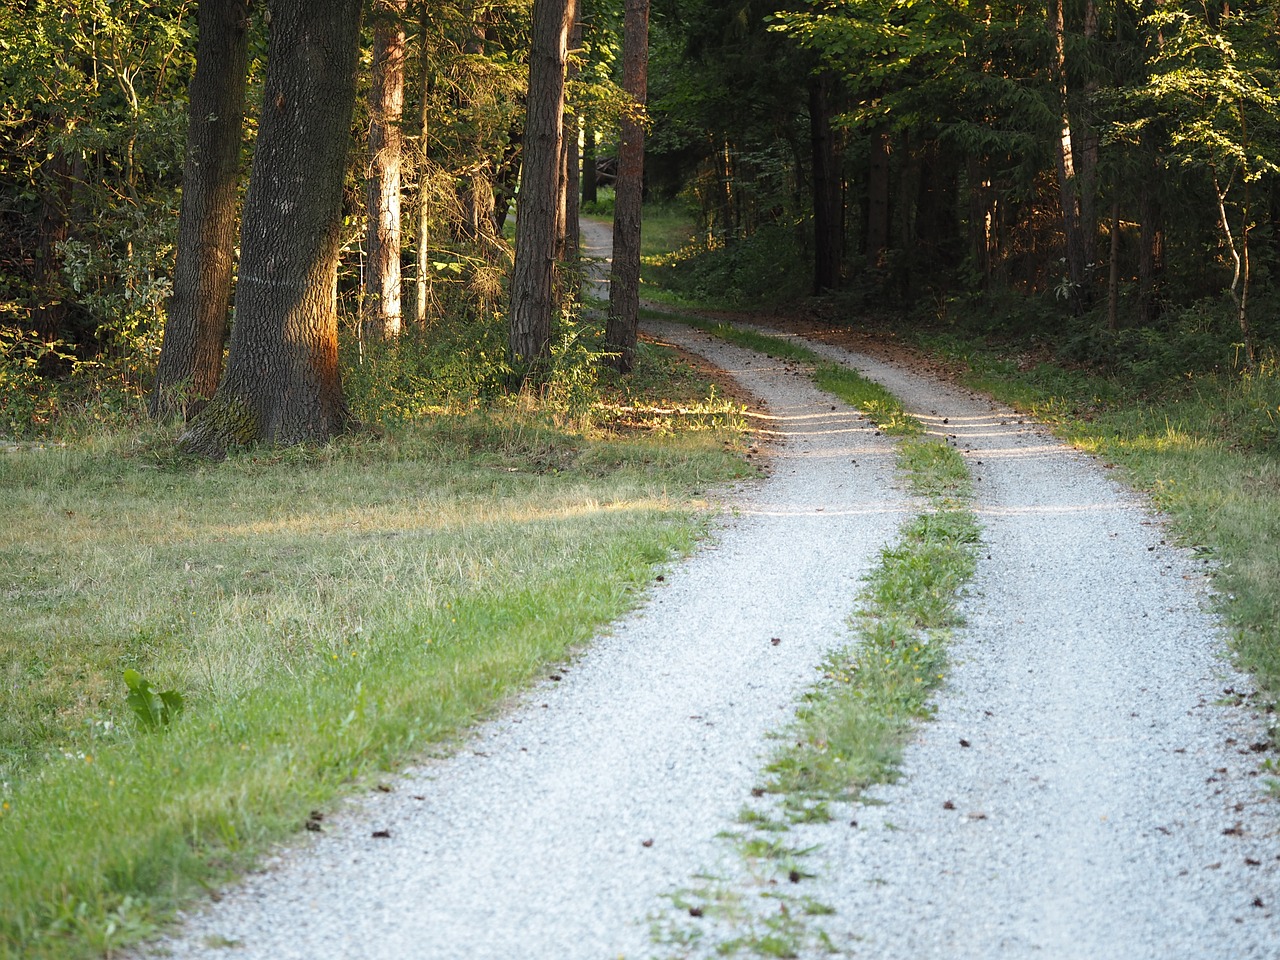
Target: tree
column 196, row 329
column 533, row 279
column 622, row 328
column 382, row 293
column 1216, row 81
column 282, row 383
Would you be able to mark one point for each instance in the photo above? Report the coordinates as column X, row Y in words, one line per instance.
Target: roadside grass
column 1204, row 448
column 326, row 613
column 851, row 726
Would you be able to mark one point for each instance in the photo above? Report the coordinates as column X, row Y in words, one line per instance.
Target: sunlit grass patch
column 324, row 612
column 1203, row 445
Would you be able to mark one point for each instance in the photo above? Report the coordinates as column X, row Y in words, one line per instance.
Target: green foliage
column 154, row 710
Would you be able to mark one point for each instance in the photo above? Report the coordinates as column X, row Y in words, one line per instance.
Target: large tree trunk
column 382, row 309
column 533, row 279
column 828, row 229
column 282, row 383
column 196, row 329
column 622, row 328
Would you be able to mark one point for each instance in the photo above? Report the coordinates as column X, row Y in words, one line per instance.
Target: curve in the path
column 555, row 831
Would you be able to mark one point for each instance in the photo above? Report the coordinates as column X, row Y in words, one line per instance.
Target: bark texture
column 622, row 329
column 382, row 287
column 282, row 384
column 533, row 279
column 195, row 330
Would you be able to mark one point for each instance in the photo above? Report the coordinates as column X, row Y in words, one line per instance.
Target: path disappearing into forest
column 1083, row 791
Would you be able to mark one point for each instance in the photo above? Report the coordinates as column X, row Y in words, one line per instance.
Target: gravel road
column 555, row 831
column 1082, row 791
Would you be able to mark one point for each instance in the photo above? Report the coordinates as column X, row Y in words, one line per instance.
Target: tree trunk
column 422, row 240
column 533, row 278
column 590, row 192
column 282, row 383
column 878, row 198
column 195, row 332
column 1150, row 249
column 570, row 235
column 49, row 308
column 828, row 231
column 1069, row 187
column 1113, row 273
column 382, row 287
column 622, row 329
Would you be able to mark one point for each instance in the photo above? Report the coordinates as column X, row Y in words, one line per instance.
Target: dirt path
column 1080, row 794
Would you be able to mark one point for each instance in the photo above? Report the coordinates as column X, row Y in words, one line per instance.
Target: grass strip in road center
column 852, row 724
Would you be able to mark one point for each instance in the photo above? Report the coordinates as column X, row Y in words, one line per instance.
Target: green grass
column 1203, row 446
column 327, row 613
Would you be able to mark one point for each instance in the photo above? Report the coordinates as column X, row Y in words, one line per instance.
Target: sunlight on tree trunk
column 622, row 329
column 282, row 384
column 382, row 287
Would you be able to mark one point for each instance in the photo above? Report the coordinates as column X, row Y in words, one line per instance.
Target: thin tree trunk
column 828, row 233
column 382, row 288
column 533, row 278
column 49, row 308
column 1150, row 249
column 878, row 198
column 1113, row 274
column 422, row 240
column 196, row 330
column 1068, row 185
column 622, row 329
column 282, row 383
column 590, row 193
column 570, row 232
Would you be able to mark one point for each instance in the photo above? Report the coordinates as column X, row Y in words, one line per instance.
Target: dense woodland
column 276, row 218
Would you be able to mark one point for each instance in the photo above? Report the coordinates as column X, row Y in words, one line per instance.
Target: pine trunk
column 878, row 198
column 382, row 287
column 282, row 383
column 1069, row 185
column 195, row 331
column 828, row 231
column 590, row 191
column 622, row 329
column 533, row 278
column 422, row 240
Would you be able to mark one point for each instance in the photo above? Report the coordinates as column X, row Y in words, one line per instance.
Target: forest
column 316, row 450
column 1096, row 177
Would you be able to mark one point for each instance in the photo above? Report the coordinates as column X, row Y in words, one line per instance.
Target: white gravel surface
column 1081, row 794
column 554, row 833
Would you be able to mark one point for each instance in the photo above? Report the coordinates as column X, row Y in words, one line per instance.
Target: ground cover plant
column 196, row 656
